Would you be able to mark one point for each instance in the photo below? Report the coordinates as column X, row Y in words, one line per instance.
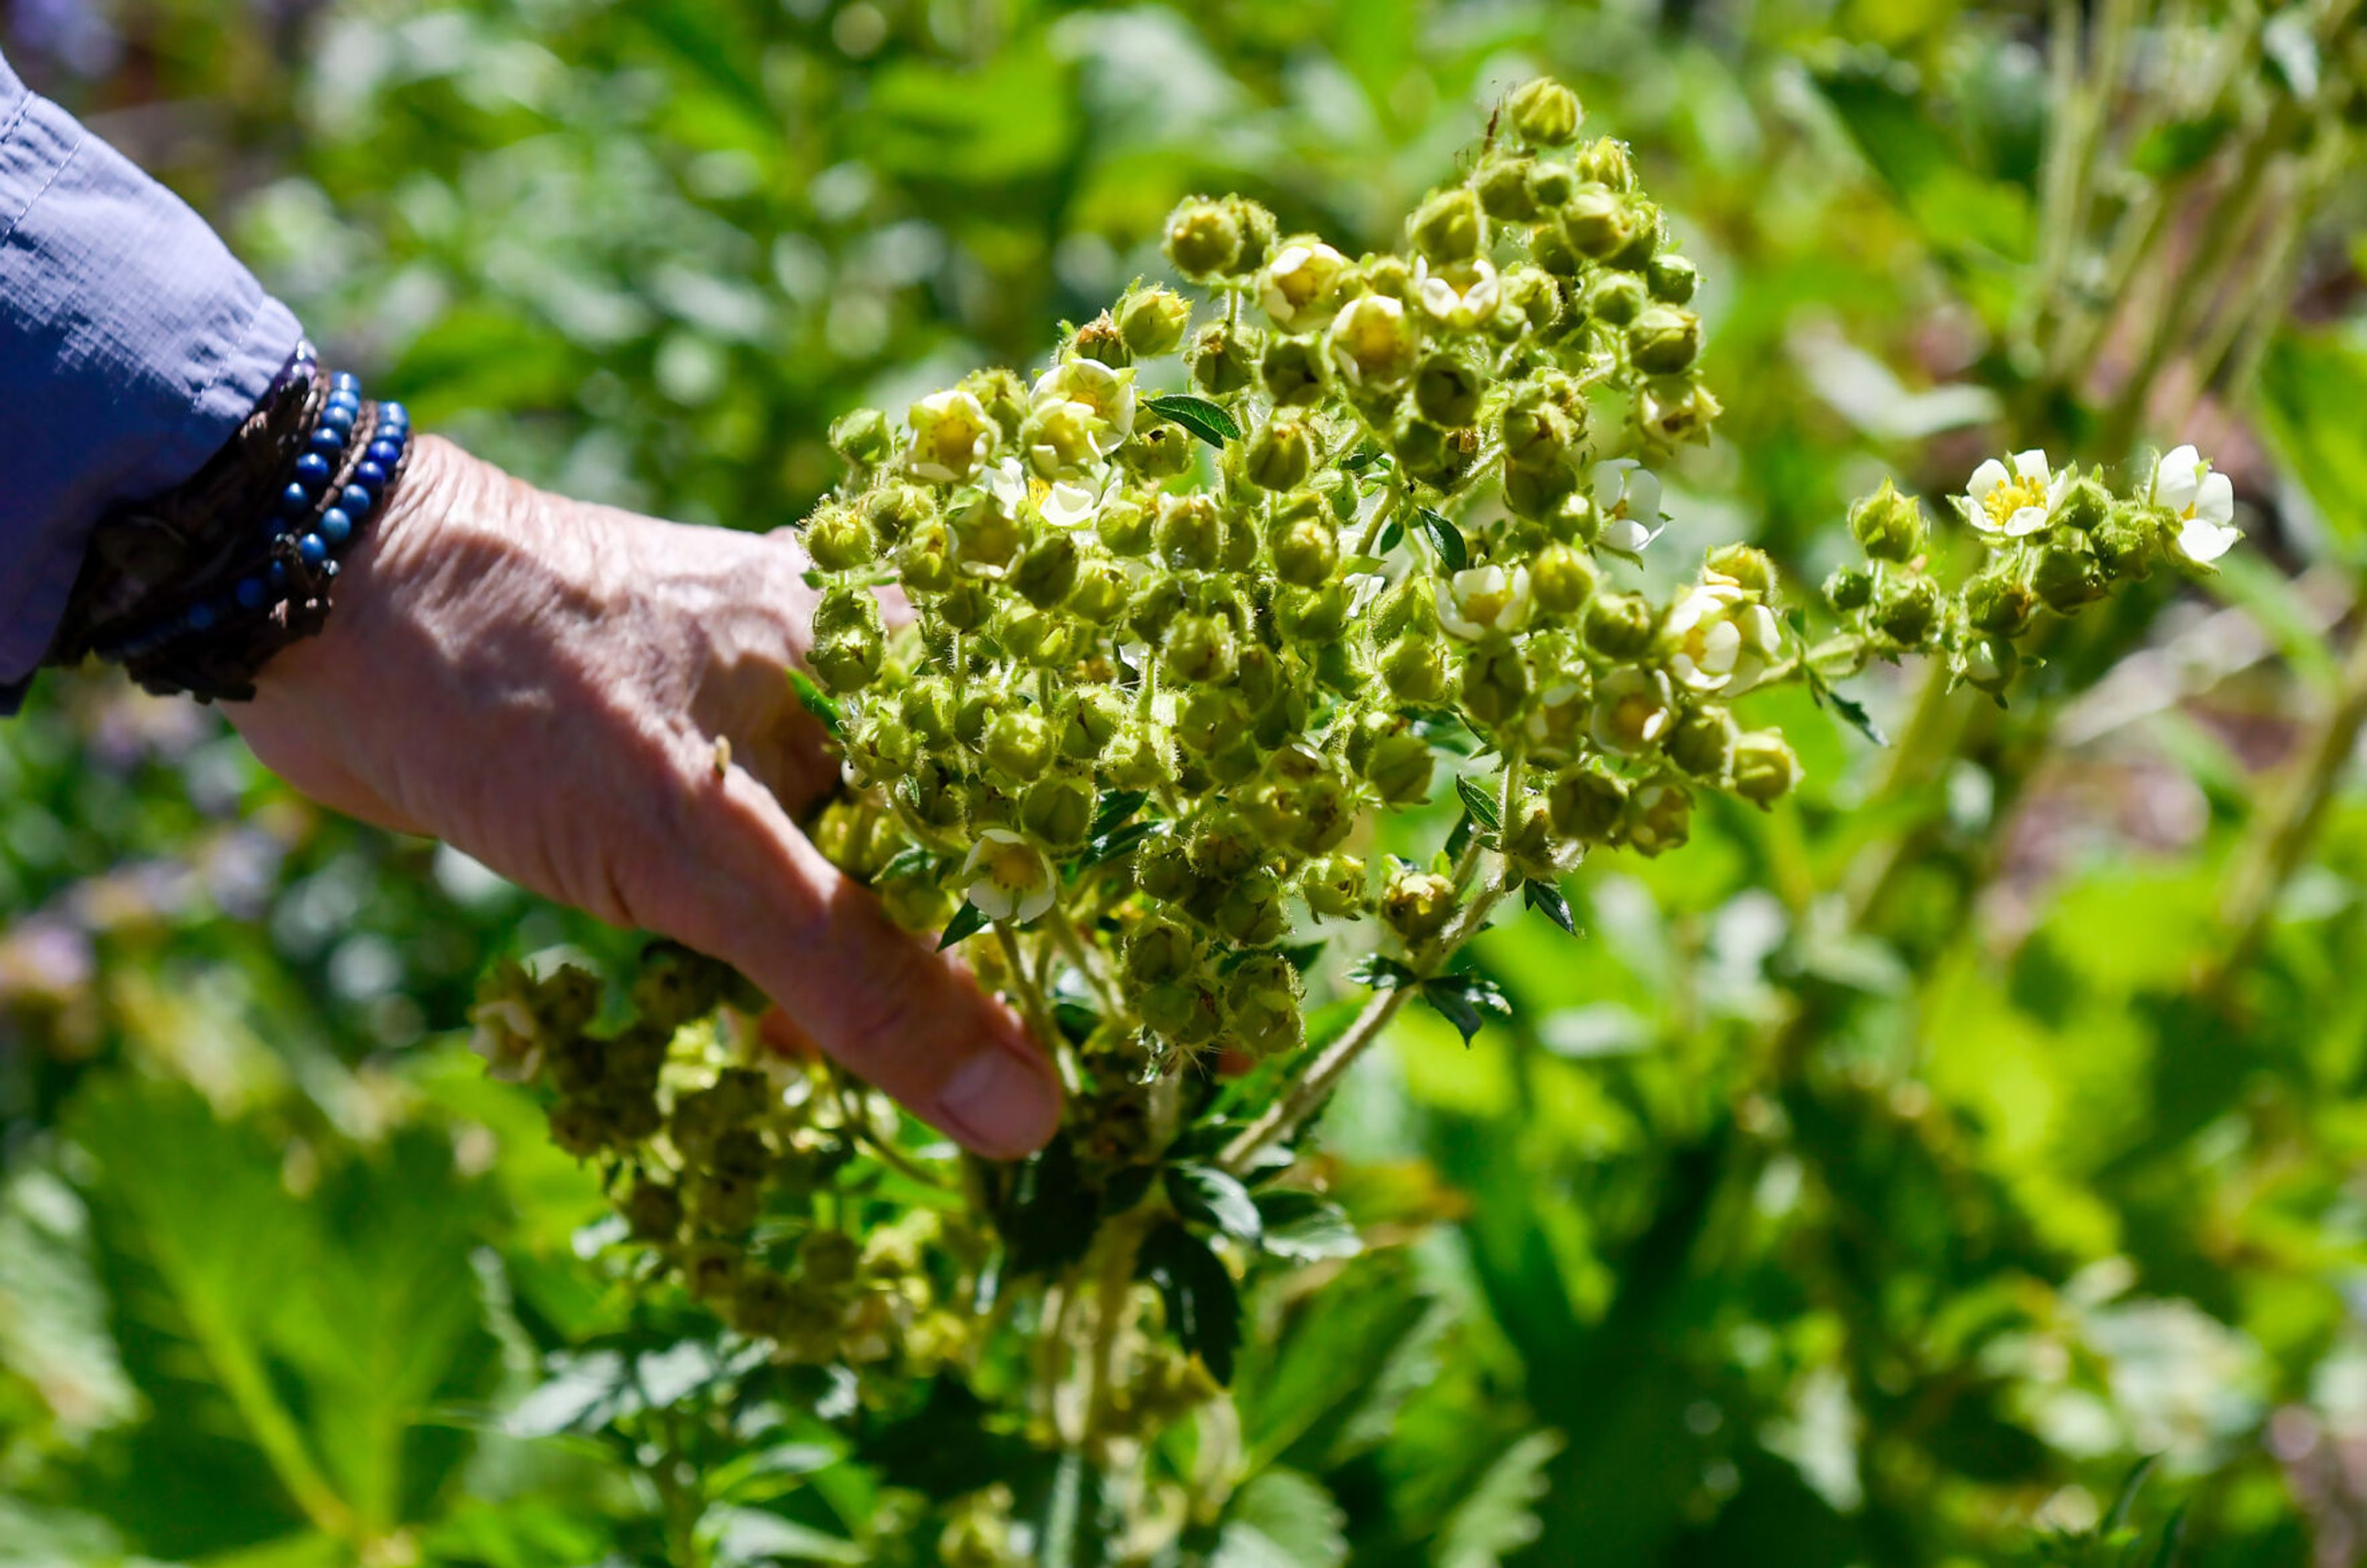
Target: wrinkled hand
column 542, row 684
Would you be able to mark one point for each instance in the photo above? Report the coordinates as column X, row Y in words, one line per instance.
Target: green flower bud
column 1502, row 182
column 1157, row 602
column 2085, row 504
column 1017, row 745
column 1225, row 847
column 1280, row 456
column 1224, row 359
column 1306, row 549
column 710, row 1271
column 1619, row 626
column 1087, row 722
column 931, row 793
column 1209, row 719
column 926, row 708
column 1204, row 240
column 1140, row 756
column 1335, row 885
column 892, row 512
column 1703, row 742
column 1660, row 818
column 1561, row 578
column 1544, row 113
column 846, row 652
column 1259, row 234
column 2123, row 542
column 1410, row 607
column 924, row 561
column 1551, row 185
column 1004, row 396
column 1415, row 668
column 838, row 538
column 1596, row 221
column 1765, row 767
column 1058, row 811
column 1550, row 248
column 2068, row 576
column 1749, row 569
column 1448, row 226
column 1649, row 233
column 1151, row 320
column 1251, row 911
column 1540, row 431
column 1615, row 298
column 967, row 605
column 1418, row 904
column 1529, row 841
column 1158, row 950
column 1317, row 615
column 1999, row 602
column 1679, row 412
column 1190, row 531
column 1588, row 803
column 1292, row 370
column 1100, row 340
column 1447, row 388
column 1664, row 340
column 1672, row 279
column 1606, row 162
column 1399, row 767
column 1889, row 525
column 1531, row 294
column 653, row 1214
column 1162, row 868
column 1101, row 592
column 1185, row 1011
column 1495, row 684
column 1904, row 608
column 862, row 437
column 1047, row 570
column 1197, row 649
column 1848, row 588
column 984, row 533
column 1436, row 456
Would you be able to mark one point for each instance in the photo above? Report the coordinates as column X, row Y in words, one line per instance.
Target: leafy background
column 1879, row 1181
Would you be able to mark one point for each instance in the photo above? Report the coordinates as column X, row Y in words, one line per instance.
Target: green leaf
column 1330, row 1383
column 967, row 920
column 1046, row 1217
column 1392, row 535
column 817, row 702
column 1281, row 1519
column 1380, row 973
column 912, row 860
column 1204, row 1193
column 1306, row 1227
column 1076, row 1022
column 1478, row 802
column 1119, row 842
column 1546, row 896
column 1203, row 1308
column 1203, row 419
column 1117, row 806
column 1461, row 999
column 752, row 1535
column 1497, row 1517
column 1852, row 711
column 2313, row 385
column 1444, row 537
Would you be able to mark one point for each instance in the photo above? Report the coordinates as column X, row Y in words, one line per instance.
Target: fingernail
column 996, row 1102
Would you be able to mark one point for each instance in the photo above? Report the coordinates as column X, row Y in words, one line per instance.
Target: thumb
column 867, row 992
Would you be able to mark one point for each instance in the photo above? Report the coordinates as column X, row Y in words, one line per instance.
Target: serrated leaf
column 1208, row 1195
column 1444, row 537
column 1546, row 896
column 1281, row 1519
column 1496, row 1519
column 1199, row 415
column 1046, row 1217
column 1306, row 1227
column 817, row 702
column 1477, row 801
column 1854, row 711
column 1203, row 1308
column 1383, row 974
column 967, row 919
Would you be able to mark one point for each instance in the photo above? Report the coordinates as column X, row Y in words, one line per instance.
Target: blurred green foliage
column 1878, row 1182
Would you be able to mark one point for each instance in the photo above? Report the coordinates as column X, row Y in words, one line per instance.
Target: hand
column 542, row 684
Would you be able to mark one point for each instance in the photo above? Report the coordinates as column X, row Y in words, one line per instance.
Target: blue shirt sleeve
column 132, row 345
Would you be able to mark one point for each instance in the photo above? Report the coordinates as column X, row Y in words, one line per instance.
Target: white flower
column 951, row 436
column 1298, row 286
column 1484, row 600
column 1007, row 482
column 1071, row 506
column 507, row 1037
column 1725, row 638
column 1007, row 877
column 2203, row 503
column 1628, row 498
column 1557, row 722
column 1107, row 397
column 1633, row 709
column 2013, row 501
column 1462, row 294
column 1371, row 340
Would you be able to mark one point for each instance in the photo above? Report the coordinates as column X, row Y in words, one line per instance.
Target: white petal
column 1760, row 629
column 2202, row 541
column 2027, row 520
column 1644, row 496
column 1987, row 477
column 1611, row 481
column 1037, row 900
column 1438, row 296
column 2215, row 500
column 992, row 899
column 2031, row 465
column 2177, row 479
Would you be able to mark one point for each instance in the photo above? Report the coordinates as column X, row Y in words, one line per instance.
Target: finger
column 783, row 1036
column 869, row 992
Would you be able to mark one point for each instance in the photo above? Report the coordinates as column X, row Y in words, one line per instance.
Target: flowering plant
column 1179, row 618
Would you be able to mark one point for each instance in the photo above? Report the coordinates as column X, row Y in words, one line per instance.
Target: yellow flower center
column 1012, row 866
column 2021, row 491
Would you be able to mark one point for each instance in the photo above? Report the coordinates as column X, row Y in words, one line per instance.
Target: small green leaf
column 1203, row 1306
column 1117, row 806
column 1366, row 453
column 970, row 918
column 1306, row 1227
column 1391, row 536
column 1546, row 896
column 912, row 860
column 1477, row 801
column 1302, row 956
column 1199, row 415
column 1854, row 711
column 817, row 702
column 1203, row 1192
column 1444, row 537
column 1076, row 1021
column 1381, row 974
column 1462, row 998
column 1111, row 845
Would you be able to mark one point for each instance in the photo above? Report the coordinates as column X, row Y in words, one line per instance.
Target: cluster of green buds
column 1192, row 607
column 723, row 1159
column 2059, row 541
